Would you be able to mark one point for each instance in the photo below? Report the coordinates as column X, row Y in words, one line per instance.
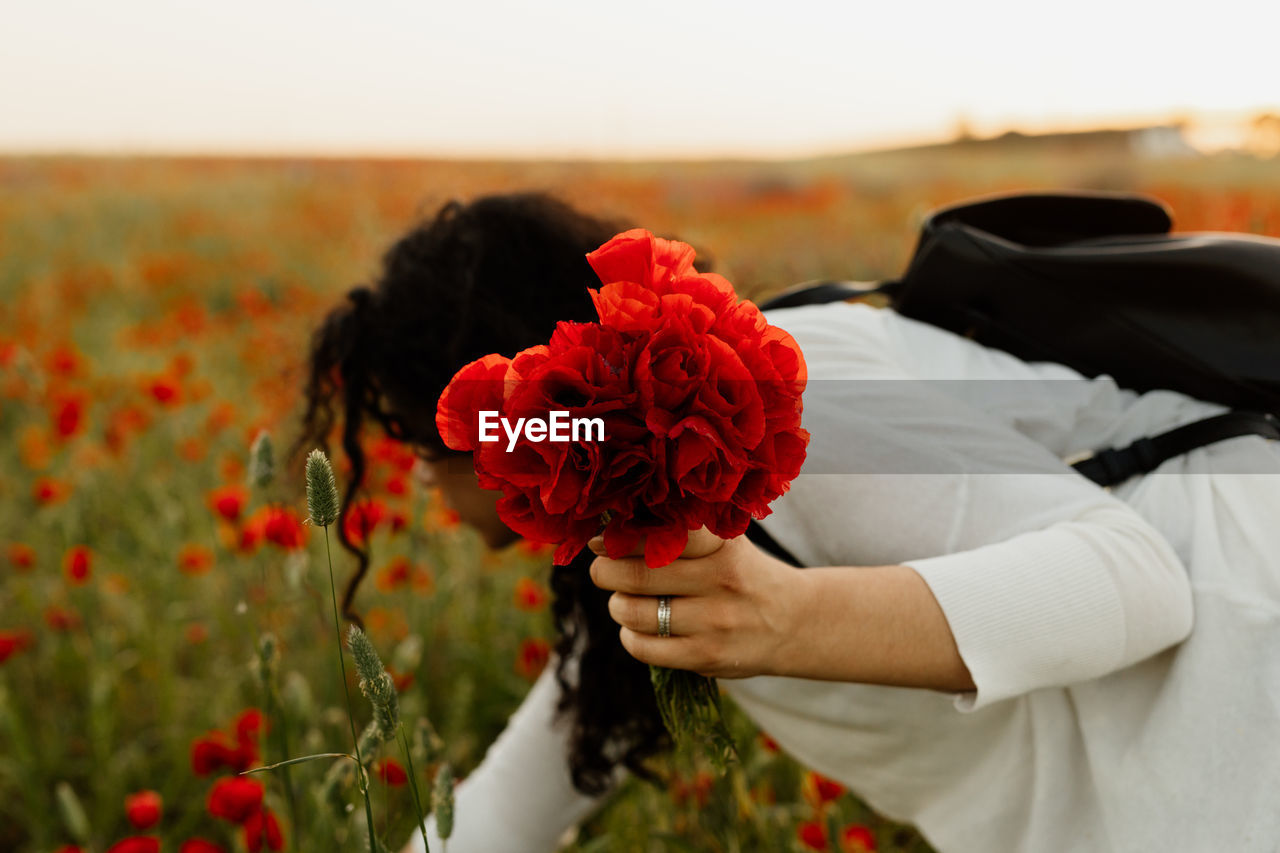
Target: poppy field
column 166, row 619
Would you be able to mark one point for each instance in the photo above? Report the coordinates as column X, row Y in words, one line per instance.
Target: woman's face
column 455, row 477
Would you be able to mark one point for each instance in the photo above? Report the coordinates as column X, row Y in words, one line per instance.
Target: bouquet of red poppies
column 679, row 409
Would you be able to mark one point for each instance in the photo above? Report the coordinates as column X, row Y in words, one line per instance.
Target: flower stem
column 351, row 717
column 413, row 785
column 691, row 711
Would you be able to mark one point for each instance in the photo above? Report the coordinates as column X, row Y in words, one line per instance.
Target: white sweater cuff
column 1036, row 610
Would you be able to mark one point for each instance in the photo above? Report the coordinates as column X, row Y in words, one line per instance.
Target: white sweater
column 1096, row 724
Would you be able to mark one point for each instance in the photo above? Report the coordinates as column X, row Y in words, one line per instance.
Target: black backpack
column 1095, row 281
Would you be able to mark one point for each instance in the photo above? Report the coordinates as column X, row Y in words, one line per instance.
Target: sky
column 483, row 78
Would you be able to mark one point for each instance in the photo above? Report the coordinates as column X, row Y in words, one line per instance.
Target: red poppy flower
column 68, row 415
column 22, row 556
column 695, row 791
column 398, row 485
column 12, row 642
column 819, row 790
column 769, row 745
column 77, row 564
column 64, row 360
column 402, row 680
column 395, row 574
column 143, row 809
column 136, row 844
column 250, row 723
column 397, row 454
column 529, row 595
column 61, row 619
column 229, row 501
column 48, row 491
column 390, row 771
column 196, row 633
column 363, row 518
column 165, row 390
column 199, row 845
column 214, row 751
column 282, row 527
column 856, row 838
column 399, row 521
column 194, row 559
column 235, row 798
column 532, row 657
column 813, row 835
column 262, row 828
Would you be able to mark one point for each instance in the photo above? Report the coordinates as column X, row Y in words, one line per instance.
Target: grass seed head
column 268, row 654
column 262, row 461
column 442, row 801
column 322, row 490
column 375, row 682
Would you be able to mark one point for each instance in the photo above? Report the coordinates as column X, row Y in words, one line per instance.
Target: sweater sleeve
column 1044, row 578
column 521, row 798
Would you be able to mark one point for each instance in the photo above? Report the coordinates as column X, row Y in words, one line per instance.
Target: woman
column 988, row 646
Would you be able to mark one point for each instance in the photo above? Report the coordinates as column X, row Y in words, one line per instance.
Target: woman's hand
column 737, row 612
column 734, row 608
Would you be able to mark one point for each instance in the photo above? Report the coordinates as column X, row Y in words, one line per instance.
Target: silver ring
column 664, row 616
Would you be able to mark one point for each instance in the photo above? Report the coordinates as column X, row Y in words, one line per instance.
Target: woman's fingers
column 702, row 542
column 697, row 654
column 631, row 575
column 640, row 612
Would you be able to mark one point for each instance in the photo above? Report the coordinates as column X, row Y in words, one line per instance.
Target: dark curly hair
column 494, row 275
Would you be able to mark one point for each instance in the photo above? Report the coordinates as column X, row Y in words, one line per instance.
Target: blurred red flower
column 48, row 490
column 229, row 501
column 22, row 556
column 395, row 574
column 77, row 564
column 535, row 549
column 68, row 415
column 402, row 681
column 214, row 751
column 283, row 527
column 819, row 790
column 397, row 454
column 250, row 723
column 696, row 790
column 143, row 809
column 768, row 744
column 262, row 827
column 363, row 518
column 136, row 844
column 856, row 838
column 529, row 595
column 165, row 390
column 196, row 633
column 813, row 835
column 533, row 656
column 199, row 845
column 195, row 559
column 61, row 619
column 70, row 848
column 235, row 798
column 12, row 642
column 64, row 360
column 390, row 771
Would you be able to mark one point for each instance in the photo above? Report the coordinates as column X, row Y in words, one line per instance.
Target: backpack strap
column 1108, row 466
column 762, row 540
column 1111, row 466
